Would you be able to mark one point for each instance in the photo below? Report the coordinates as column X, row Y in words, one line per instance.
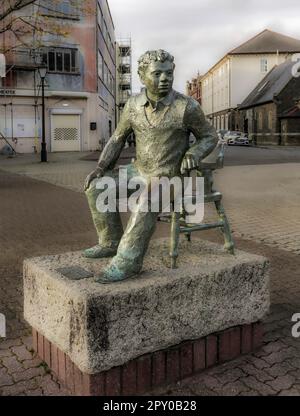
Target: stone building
column 79, row 85
column 226, row 85
column 193, row 88
column 271, row 112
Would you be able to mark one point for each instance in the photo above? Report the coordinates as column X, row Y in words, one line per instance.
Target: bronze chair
column 178, row 219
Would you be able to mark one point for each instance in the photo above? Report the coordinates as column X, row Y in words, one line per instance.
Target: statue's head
column 156, row 71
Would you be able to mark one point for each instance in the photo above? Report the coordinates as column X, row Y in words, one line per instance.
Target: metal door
column 65, row 132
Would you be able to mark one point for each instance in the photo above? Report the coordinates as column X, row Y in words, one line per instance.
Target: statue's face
column 158, row 78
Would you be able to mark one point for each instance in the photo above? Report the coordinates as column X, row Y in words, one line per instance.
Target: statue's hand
column 97, row 173
column 188, row 163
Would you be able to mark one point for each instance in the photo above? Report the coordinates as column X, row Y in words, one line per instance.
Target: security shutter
column 65, row 133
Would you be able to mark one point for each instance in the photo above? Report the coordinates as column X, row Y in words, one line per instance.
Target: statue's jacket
column 161, row 133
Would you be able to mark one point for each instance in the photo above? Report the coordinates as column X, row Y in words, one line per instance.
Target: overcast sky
column 198, row 32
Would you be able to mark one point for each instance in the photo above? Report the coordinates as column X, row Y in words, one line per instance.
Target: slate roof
column 293, row 112
column 268, row 42
column 272, row 84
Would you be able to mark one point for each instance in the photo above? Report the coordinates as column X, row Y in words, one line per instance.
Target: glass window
column 104, row 31
column 45, row 58
column 67, row 62
column 59, row 61
column 270, row 120
column 73, row 60
column 263, row 65
column 100, row 65
column 260, row 120
column 105, row 74
column 60, row 9
column 111, row 84
column 99, row 17
column 51, row 61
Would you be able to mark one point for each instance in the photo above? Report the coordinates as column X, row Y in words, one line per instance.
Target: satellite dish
column 2, row 66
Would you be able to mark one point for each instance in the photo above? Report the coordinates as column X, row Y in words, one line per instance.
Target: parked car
column 239, row 141
column 236, row 138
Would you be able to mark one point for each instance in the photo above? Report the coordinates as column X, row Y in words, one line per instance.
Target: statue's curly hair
column 153, row 56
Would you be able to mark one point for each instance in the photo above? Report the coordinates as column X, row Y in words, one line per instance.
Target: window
column 67, row 62
column 61, row 60
column 263, row 65
column 100, row 18
column 263, row 86
column 105, row 76
column 51, row 61
column 270, row 120
column 100, row 66
column 61, row 9
column 110, row 83
column 104, row 31
column 260, row 120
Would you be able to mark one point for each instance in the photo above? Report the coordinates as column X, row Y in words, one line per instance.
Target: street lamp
column 42, row 73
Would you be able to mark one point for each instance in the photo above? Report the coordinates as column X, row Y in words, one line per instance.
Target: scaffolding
column 21, row 58
column 124, row 71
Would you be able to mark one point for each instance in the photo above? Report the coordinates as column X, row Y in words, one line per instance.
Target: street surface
column 43, row 211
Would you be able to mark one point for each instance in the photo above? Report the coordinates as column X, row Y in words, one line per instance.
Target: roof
column 272, row 84
column 268, row 42
column 293, row 112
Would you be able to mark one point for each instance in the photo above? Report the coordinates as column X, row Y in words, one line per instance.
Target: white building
column 231, row 80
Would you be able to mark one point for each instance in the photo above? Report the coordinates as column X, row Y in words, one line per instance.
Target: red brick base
column 154, row 369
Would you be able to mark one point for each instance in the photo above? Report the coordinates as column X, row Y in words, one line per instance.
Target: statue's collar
column 143, row 99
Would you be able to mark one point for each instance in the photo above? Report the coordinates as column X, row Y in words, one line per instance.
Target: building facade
column 194, row 88
column 80, row 105
column 229, row 81
column 271, row 112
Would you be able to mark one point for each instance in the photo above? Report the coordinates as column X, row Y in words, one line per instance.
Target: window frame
column 74, row 69
column 263, row 65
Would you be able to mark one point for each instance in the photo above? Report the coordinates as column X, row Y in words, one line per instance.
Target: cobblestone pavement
column 38, row 218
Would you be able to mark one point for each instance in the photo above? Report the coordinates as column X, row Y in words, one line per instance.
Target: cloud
column 198, row 32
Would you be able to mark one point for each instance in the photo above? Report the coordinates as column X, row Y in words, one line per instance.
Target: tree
column 26, row 22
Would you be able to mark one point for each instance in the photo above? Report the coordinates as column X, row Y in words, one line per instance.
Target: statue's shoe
column 114, row 274
column 98, row 252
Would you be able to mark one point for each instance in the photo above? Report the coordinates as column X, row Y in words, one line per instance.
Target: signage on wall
column 7, row 92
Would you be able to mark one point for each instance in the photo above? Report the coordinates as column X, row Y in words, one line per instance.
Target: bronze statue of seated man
column 161, row 120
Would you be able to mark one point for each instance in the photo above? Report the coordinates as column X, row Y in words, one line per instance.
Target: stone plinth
column 103, row 326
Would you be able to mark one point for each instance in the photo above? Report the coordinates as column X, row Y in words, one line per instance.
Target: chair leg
column 175, row 232
column 229, row 244
column 188, row 236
